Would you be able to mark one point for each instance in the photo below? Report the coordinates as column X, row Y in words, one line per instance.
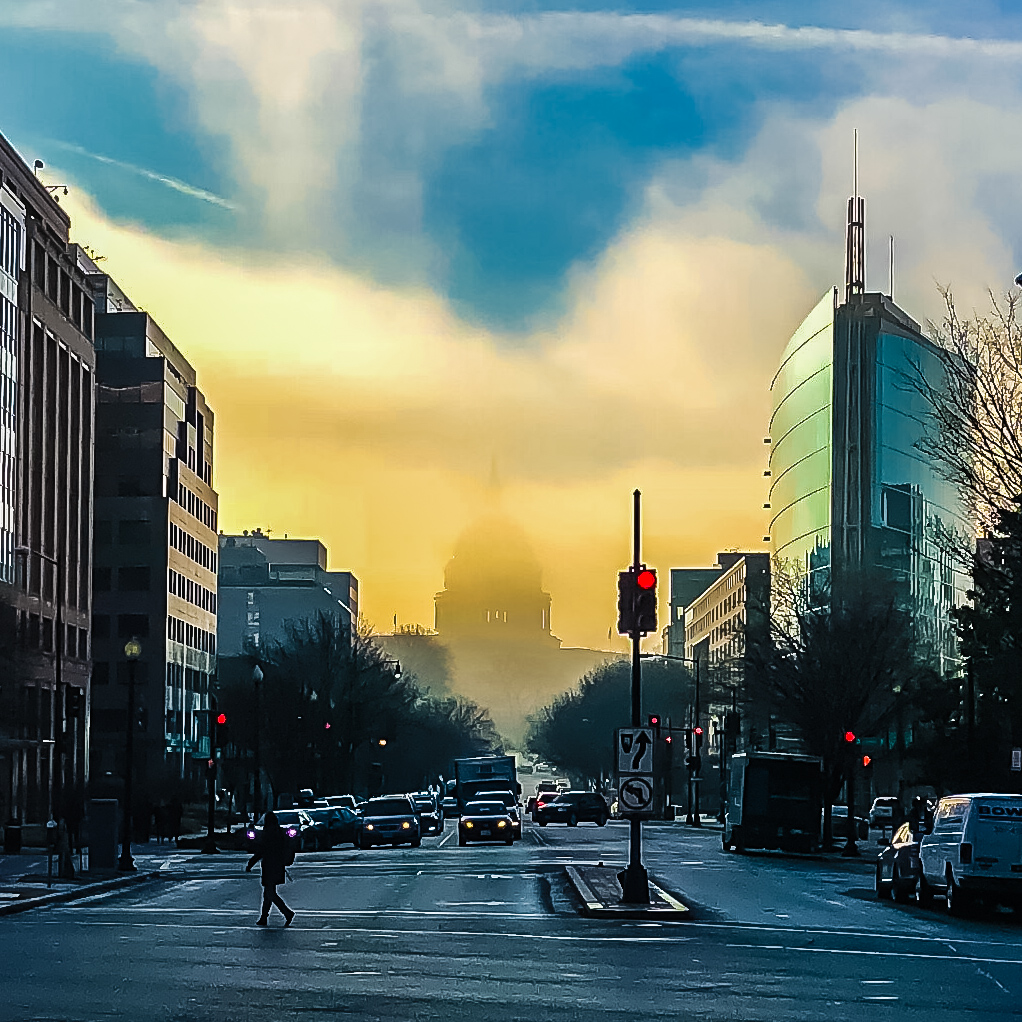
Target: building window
column 102, row 532
column 132, row 626
column 134, row 579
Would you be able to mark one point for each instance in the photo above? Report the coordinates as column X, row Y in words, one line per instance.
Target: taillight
column 965, row 853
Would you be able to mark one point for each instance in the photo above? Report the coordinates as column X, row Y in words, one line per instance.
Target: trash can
column 12, row 837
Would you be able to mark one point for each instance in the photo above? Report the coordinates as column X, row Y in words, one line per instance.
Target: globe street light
column 132, row 650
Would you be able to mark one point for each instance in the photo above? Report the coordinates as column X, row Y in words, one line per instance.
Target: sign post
column 633, row 798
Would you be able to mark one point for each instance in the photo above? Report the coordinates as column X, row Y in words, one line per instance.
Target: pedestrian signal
column 867, row 761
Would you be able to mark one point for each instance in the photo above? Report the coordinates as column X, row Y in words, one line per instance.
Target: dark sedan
column 510, row 804
column 388, row 820
column 338, row 824
column 486, row 821
column 572, row 808
column 898, row 866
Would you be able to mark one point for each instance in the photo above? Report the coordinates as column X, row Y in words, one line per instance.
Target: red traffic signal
column 668, row 739
column 222, row 719
column 867, row 761
column 697, row 731
column 849, row 737
column 654, row 720
column 646, row 579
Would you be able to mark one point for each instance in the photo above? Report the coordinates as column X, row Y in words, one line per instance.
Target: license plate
column 485, row 833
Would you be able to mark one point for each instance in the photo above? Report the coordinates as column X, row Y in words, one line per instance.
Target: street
column 495, row 933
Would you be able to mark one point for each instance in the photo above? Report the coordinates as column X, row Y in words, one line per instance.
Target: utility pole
column 635, row 879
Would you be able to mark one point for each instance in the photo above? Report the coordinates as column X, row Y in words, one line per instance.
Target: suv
column 510, row 804
column 885, row 809
column 572, row 808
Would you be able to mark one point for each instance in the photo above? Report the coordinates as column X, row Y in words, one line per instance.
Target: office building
column 155, row 575
column 266, row 583
column 685, row 585
column 47, row 364
column 849, row 491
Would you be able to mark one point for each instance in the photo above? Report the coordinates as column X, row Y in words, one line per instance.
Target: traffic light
column 626, row 593
column 849, row 737
column 867, row 761
column 654, row 723
column 210, row 769
column 697, row 738
column 645, row 600
column 220, row 731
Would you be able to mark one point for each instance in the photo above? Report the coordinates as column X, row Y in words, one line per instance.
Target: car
column 541, row 799
column 341, row 801
column 339, row 824
column 839, row 824
column 885, row 810
column 898, row 868
column 431, row 820
column 297, row 825
column 572, row 808
column 510, row 803
column 388, row 820
column 973, row 852
column 486, row 821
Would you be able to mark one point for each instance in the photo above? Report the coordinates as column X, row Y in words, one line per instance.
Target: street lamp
column 132, row 650
column 257, row 680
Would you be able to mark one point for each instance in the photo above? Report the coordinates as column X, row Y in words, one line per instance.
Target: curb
column 55, row 897
column 664, row 905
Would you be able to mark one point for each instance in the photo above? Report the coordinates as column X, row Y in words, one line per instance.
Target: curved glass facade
column 801, row 447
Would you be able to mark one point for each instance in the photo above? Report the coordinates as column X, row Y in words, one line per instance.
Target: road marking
column 992, row 980
column 882, row 997
column 877, row 954
column 877, row 982
column 446, row 838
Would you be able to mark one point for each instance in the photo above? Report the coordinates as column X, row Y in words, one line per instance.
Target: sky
column 405, row 241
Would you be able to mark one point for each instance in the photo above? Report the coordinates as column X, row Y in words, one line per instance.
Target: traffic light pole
column 209, row 845
column 635, row 879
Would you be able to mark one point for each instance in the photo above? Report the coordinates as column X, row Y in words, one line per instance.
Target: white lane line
column 882, row 997
column 877, row 982
column 973, row 959
column 992, row 980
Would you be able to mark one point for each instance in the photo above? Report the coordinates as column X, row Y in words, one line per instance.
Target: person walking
column 276, row 853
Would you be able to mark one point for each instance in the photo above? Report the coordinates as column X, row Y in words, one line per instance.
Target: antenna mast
column 855, row 233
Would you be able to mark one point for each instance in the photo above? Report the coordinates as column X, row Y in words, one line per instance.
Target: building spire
column 855, row 233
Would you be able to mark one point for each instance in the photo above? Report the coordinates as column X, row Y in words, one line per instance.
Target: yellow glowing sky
column 370, row 418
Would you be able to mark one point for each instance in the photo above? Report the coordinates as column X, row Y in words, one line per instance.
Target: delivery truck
column 774, row 800
column 482, row 773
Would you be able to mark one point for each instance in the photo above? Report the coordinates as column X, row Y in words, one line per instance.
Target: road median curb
column 600, row 891
column 73, row 894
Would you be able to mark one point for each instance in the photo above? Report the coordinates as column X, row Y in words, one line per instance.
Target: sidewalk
column 25, row 884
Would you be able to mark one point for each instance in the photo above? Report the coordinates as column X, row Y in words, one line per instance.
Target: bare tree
column 973, row 427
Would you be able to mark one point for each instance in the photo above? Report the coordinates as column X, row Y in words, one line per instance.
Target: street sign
column 635, row 796
column 1016, row 760
column 635, row 750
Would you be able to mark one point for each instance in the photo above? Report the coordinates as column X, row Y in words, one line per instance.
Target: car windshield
column 486, row 809
column 288, row 818
column 387, row 807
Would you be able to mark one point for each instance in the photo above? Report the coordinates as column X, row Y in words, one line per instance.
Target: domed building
column 494, row 617
column 493, row 588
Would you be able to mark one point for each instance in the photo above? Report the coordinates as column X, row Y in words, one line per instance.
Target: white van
column 974, row 852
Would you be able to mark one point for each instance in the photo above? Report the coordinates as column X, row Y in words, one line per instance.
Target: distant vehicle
column 525, row 769
column 388, row 820
column 510, row 803
column 483, row 773
column 542, row 798
column 839, row 824
column 431, row 819
column 449, row 804
column 338, row 822
column 485, row 821
column 572, row 808
column 346, row 801
column 297, row 825
column 774, row 800
column 884, row 810
column 898, row 869
column 973, row 854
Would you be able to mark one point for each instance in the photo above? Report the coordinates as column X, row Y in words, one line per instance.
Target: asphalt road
column 494, row 933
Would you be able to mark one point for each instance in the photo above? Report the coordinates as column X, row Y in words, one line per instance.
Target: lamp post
column 257, row 680
column 132, row 650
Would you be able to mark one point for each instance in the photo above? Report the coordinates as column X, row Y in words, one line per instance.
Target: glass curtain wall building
column 849, row 490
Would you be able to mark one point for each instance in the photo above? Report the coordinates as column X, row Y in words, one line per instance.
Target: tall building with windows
column 155, row 576
column 47, row 364
column 849, row 491
column 266, row 583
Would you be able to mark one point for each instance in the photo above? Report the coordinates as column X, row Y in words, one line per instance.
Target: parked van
column 974, row 852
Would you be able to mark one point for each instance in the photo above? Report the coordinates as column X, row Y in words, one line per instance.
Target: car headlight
column 501, row 823
column 369, row 826
column 406, row 825
column 469, row 824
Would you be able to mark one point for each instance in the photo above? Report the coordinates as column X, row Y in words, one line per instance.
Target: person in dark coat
column 275, row 852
